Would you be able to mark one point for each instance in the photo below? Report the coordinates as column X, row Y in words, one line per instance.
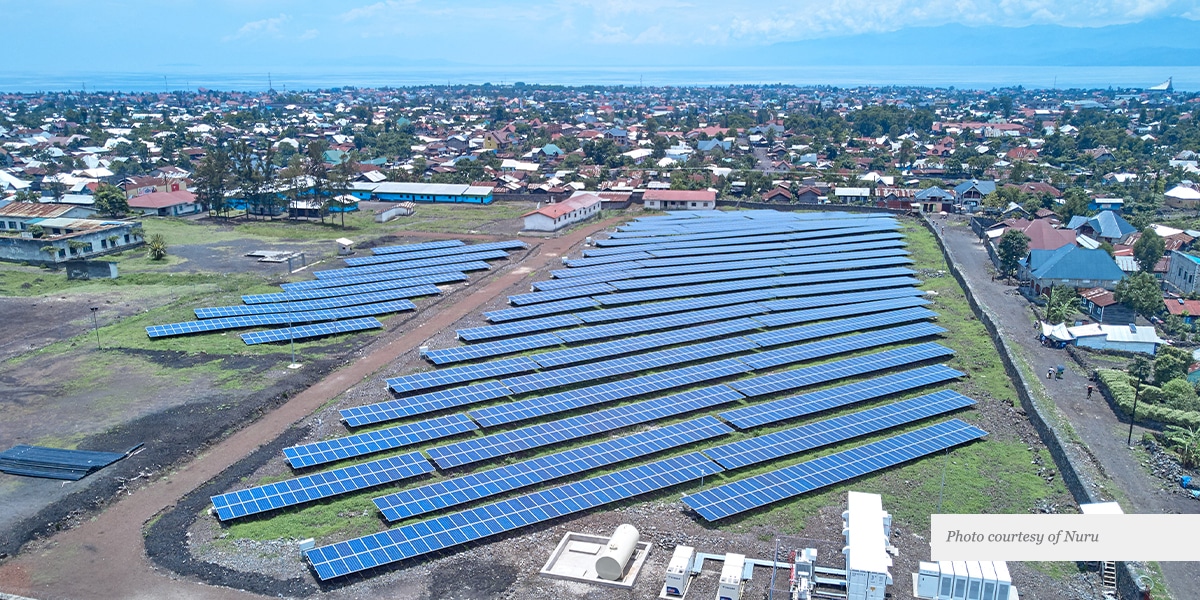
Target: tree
column 51, row 183
column 1148, row 250
column 27, row 196
column 1186, row 442
column 1062, row 303
column 1013, row 246
column 156, row 247
column 1180, row 394
column 1141, row 368
column 111, row 201
column 1170, row 363
column 212, row 178
column 1075, row 202
column 1140, row 292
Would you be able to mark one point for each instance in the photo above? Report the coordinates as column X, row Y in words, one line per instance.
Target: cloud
column 309, row 34
column 373, row 11
column 272, row 27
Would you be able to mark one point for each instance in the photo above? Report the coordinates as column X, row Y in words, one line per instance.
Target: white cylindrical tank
column 611, row 563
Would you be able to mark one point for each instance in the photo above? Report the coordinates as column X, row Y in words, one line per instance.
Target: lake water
column 988, row 77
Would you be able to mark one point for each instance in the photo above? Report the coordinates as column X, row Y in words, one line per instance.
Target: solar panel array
column 468, row 488
column 316, row 453
column 284, row 318
column 343, row 558
column 310, row 331
column 758, row 491
column 293, row 492
column 336, row 302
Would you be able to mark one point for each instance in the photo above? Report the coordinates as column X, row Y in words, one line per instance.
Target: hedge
column 1121, row 391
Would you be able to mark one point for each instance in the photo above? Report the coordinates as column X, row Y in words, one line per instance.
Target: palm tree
column 1185, row 441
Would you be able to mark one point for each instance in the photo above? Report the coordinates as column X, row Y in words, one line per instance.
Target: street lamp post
column 96, row 326
column 1133, row 415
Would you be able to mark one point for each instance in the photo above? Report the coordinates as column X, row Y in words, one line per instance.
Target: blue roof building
column 1106, row 225
column 710, row 145
column 1072, row 266
column 970, row 193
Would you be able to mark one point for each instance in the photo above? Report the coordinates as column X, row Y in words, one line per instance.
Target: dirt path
column 1101, row 431
column 105, row 557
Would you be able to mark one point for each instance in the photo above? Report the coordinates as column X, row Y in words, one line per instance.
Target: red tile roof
column 559, row 209
column 162, row 199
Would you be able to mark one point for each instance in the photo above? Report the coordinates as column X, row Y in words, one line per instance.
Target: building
column 57, row 239
column 19, row 216
column 1183, row 272
column 969, row 194
column 1071, row 266
column 778, row 194
column 1188, row 310
column 1124, row 338
column 679, row 199
column 1116, row 204
column 852, row 195
column 1104, row 226
column 166, row 204
column 391, row 191
column 554, row 217
column 1182, row 197
column 1102, row 307
column 934, row 199
column 140, row 186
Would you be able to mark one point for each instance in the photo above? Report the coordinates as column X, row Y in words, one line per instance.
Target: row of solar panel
column 310, row 331
column 417, row 247
column 378, row 286
column 466, row 253
column 324, row 303
column 751, row 250
column 288, row 318
column 728, row 245
column 428, row 251
column 413, row 275
column 726, row 230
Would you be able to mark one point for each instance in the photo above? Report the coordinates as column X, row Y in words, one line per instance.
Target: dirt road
column 105, row 557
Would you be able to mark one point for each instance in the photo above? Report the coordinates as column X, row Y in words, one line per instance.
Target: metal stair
column 1108, row 578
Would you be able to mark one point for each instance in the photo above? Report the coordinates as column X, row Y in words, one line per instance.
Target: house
column 897, row 198
column 779, row 194
column 707, row 146
column 969, row 194
column 1188, row 310
column 679, row 199
column 1101, row 154
column 60, row 236
column 1102, row 307
column 1106, row 226
column 933, row 199
column 393, row 191
column 553, row 217
column 1124, row 338
column 166, row 204
column 1106, row 204
column 1041, row 233
column 20, row 216
column 1183, row 272
column 1182, row 197
column 852, row 195
column 807, row 195
column 1071, row 266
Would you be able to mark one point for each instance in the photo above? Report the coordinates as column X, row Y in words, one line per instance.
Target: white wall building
column 553, row 217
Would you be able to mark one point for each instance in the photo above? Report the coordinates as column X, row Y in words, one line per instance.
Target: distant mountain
column 1159, row 42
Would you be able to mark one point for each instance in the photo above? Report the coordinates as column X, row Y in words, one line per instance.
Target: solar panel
column 416, row 247
column 563, row 294
column 528, row 326
column 861, row 323
column 326, row 484
column 622, row 366
column 838, row 429
column 405, row 542
column 696, row 248
column 859, row 391
column 310, row 331
column 513, row 412
column 430, row 257
column 596, row 332
column 692, row 278
column 395, row 271
column 808, row 254
column 758, row 491
column 447, row 377
column 672, row 306
column 747, row 284
column 706, row 245
column 444, row 356
column 644, row 342
column 835, row 299
column 850, row 343
column 570, row 428
column 449, row 248
column 570, row 282
column 826, row 245
column 594, row 269
column 307, row 305
column 468, row 488
column 358, row 416
column 316, row 453
column 844, row 265
column 286, row 318
column 601, row 260
column 354, row 289
column 539, row 310
column 339, row 282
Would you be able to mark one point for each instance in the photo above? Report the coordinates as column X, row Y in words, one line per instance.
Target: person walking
column 1090, row 388
column 1050, row 373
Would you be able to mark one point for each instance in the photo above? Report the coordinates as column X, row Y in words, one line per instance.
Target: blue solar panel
column 447, row 377
column 622, row 366
column 444, row 356
column 307, row 305
column 285, row 318
column 603, row 260
column 354, row 289
column 862, row 323
column 596, row 332
column 461, row 490
column 761, row 490
column 672, row 306
column 405, row 542
column 692, row 278
column 716, row 246
column 570, row 428
column 835, row 299
column 336, row 283
column 391, row 410
column 606, row 392
column 792, row 354
column 447, row 254
column 316, row 453
column 417, row 247
column 563, row 294
column 844, row 265
column 528, row 326
column 644, row 342
column 393, row 271
column 892, row 247
column 310, row 331
column 826, row 238
column 539, row 310
column 570, row 282
column 859, row 391
column 842, row 278
column 838, row 429
column 326, row 484
column 827, row 245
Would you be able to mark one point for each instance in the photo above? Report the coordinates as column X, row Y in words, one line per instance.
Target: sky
column 257, row 35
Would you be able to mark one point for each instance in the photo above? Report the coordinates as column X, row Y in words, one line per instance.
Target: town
column 234, row 290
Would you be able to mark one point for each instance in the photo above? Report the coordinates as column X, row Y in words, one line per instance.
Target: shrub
column 1119, row 388
column 1180, row 395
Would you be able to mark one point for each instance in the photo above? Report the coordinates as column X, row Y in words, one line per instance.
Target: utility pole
column 96, row 326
